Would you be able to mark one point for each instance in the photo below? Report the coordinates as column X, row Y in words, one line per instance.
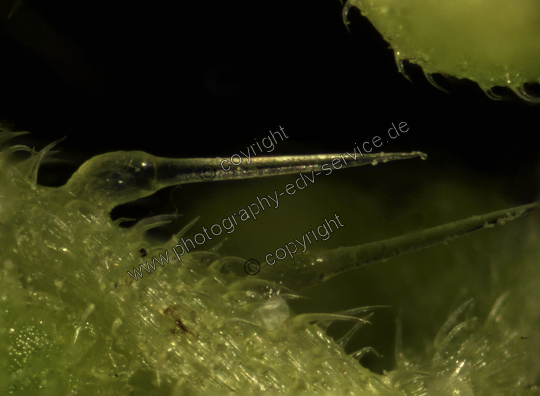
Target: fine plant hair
column 73, row 322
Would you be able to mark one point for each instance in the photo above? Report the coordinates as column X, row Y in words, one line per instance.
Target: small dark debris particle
column 169, row 310
column 181, row 325
column 142, row 252
column 172, row 312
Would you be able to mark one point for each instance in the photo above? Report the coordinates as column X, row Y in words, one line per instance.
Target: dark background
column 206, row 78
